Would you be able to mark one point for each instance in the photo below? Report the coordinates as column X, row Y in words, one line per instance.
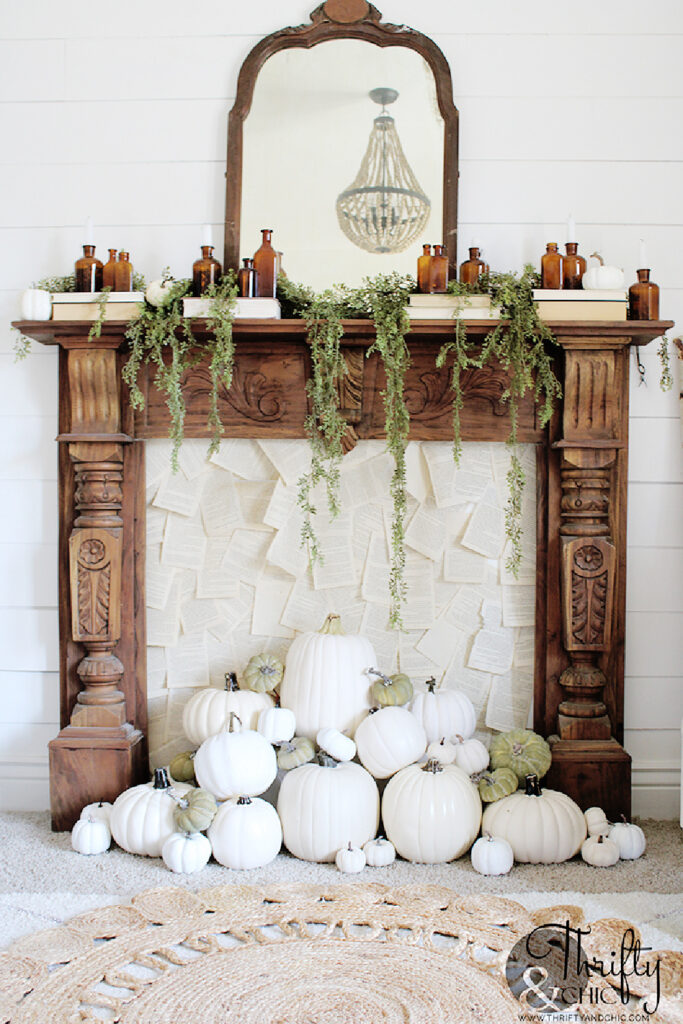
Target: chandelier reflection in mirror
column 384, row 209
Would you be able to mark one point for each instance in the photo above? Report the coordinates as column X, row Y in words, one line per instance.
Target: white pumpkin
column 350, row 859
column 379, row 853
column 541, row 827
column 186, row 852
column 630, row 840
column 158, row 292
column 235, row 763
column 207, row 712
column 245, row 833
column 600, row 852
column 101, row 811
column 388, row 740
column 336, row 744
column 36, row 304
column 443, row 752
column 142, row 817
column 277, row 724
column 325, row 806
column 444, row 713
column 471, row 755
column 90, row 836
column 596, row 822
column 431, row 812
column 325, row 681
column 491, row 856
column 602, row 276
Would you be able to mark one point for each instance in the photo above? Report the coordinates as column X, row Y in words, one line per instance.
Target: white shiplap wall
column 121, row 114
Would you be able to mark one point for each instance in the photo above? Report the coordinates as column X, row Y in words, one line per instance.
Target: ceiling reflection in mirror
column 346, row 197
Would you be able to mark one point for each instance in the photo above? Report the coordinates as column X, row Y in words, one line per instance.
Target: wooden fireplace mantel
column 581, row 525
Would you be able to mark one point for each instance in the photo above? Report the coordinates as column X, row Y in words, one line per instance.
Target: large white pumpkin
column 431, row 812
column 245, row 833
column 542, row 827
column 208, row 711
column 325, row 682
column 235, row 763
column 388, row 740
column 142, row 817
column 444, row 713
column 323, row 807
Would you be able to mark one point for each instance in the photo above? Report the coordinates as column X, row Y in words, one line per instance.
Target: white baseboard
column 656, row 790
column 24, row 784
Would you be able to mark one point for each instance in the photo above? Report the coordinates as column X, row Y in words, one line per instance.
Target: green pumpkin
column 195, row 811
column 524, row 751
column 497, row 784
column 263, row 673
column 298, row 751
column 390, row 690
column 181, row 767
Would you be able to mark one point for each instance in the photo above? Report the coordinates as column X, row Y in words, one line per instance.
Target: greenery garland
column 666, row 379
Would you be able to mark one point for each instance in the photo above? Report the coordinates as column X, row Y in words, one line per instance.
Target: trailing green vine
column 666, row 379
column 220, row 318
column 96, row 329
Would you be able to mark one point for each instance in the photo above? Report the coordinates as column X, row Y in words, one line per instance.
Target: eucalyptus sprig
column 665, row 376
column 221, row 344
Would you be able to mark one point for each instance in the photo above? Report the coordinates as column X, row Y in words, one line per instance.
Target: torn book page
column 492, row 651
column 254, row 498
column 158, row 578
column 375, row 626
column 418, row 610
column 198, row 616
column 334, row 540
column 510, row 700
column 186, row 664
column 306, row 608
column 163, row 624
column 220, row 507
column 270, row 599
column 193, row 458
column 184, row 544
column 485, row 531
column 178, row 494
column 291, row 459
column 246, row 554
column 519, row 606
column 439, row 458
column 285, row 550
column 426, row 531
column 366, row 482
column 375, row 585
column 244, row 458
column 460, row 566
column 441, row 642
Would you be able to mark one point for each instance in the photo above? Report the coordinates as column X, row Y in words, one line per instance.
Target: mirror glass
column 306, row 141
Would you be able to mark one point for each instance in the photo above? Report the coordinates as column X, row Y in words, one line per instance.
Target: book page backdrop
column 227, row 578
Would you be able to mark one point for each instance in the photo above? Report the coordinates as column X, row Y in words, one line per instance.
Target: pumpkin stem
column 243, row 800
column 332, row 626
column 433, row 766
column 231, row 683
column 458, row 738
column 598, row 257
column 430, row 684
column 600, row 838
column 325, row 760
column 376, row 672
column 161, row 779
column 532, row 786
column 350, row 846
column 231, row 722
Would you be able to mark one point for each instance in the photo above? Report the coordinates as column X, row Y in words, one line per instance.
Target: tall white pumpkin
column 431, row 812
column 245, row 833
column 325, row 682
column 235, row 763
column 388, row 740
column 208, row 711
column 541, row 826
column 142, row 817
column 323, row 807
column 444, row 713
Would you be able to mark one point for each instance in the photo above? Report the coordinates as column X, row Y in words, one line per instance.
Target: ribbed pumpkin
column 497, row 784
column 235, row 763
column 207, row 712
column 142, row 817
column 388, row 740
column 326, row 681
column 181, row 767
column 524, row 751
column 444, row 713
column 390, row 690
column 295, row 752
column 263, row 673
column 195, row 811
column 245, row 833
column 541, row 827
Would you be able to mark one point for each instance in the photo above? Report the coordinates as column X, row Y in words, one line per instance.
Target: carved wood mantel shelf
column 581, row 526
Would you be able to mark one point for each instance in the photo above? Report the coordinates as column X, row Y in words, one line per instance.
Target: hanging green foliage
column 665, row 376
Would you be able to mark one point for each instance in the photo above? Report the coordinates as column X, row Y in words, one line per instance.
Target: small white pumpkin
column 158, row 292
column 101, row 811
column 336, row 744
column 444, row 712
column 630, row 840
column 602, row 276
column 208, row 711
column 350, row 859
column 278, row 725
column 491, row 856
column 90, row 836
column 542, row 827
column 388, row 740
column 443, row 751
column 142, row 817
column 596, row 822
column 245, row 833
column 36, row 304
column 471, row 755
column 235, row 763
column 379, row 853
column 600, row 852
column 186, row 852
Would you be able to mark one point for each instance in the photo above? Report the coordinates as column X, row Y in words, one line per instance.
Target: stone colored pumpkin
column 207, row 712
column 494, row 785
column 181, row 767
column 297, row 751
column 388, row 740
column 524, row 751
column 443, row 712
column 596, row 821
column 390, row 690
column 263, row 673
column 195, row 811
column 542, row 827
column 142, row 817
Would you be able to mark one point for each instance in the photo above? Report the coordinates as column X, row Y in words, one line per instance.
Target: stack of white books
column 85, row 305
column 581, row 304
column 448, row 307
column 245, row 309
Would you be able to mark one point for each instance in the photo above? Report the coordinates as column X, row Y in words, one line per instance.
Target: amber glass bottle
column 472, row 269
column 424, row 263
column 643, row 298
column 573, row 267
column 123, row 274
column 265, row 265
column 205, row 271
column 88, row 271
column 552, row 265
column 438, row 270
column 246, row 279
column 109, row 271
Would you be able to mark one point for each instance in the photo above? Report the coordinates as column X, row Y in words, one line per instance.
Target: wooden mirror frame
column 340, row 19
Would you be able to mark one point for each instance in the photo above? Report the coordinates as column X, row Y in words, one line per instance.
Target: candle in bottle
column 571, row 229
column 89, row 232
column 207, row 234
column 642, row 256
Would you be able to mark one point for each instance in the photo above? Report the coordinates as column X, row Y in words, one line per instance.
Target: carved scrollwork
column 589, row 599
column 588, row 593
column 430, row 396
column 95, row 585
column 93, row 588
column 589, row 558
column 253, row 395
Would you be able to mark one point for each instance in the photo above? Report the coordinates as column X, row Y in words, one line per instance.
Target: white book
column 580, row 295
column 245, row 309
column 72, row 297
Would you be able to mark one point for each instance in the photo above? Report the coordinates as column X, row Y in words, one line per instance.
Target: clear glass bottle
column 643, row 298
column 88, row 271
column 573, row 267
column 265, row 265
column 438, row 270
column 123, row 274
column 246, row 279
column 205, row 271
column 552, row 265
column 424, row 263
column 109, row 271
column 472, row 269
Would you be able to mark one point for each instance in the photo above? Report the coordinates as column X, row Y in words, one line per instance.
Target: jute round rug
column 294, row 954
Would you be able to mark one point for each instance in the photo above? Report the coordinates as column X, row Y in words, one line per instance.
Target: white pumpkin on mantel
column 142, row 817
column 602, row 276
column 207, row 711
column 36, row 304
column 388, row 740
column 443, row 712
column 541, row 826
column 326, row 682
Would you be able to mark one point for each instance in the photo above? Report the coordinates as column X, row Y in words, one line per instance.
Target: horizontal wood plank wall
column 549, row 99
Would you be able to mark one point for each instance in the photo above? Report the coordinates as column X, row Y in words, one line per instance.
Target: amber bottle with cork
column 246, row 279
column 424, row 263
column 205, row 271
column 552, row 267
column 88, row 271
column 438, row 270
column 109, row 271
column 643, row 298
column 265, row 265
column 472, row 269
column 573, row 267
column 123, row 273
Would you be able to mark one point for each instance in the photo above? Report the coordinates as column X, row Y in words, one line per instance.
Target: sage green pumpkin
column 524, row 751
column 181, row 767
column 299, row 750
column 497, row 784
column 389, row 691
column 263, row 673
column 195, row 811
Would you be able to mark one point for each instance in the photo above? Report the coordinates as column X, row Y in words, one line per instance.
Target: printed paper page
column 426, row 531
column 418, row 612
column 485, row 531
column 178, row 494
column 244, row 458
column 157, row 461
column 416, row 665
column 193, row 458
column 269, row 604
column 285, row 550
column 369, row 481
column 177, row 699
column 306, row 608
column 464, row 611
column 334, row 538
column 254, row 499
column 474, row 473
column 509, row 701
column 198, row 616
column 291, row 459
column 155, row 525
column 462, row 566
column 156, row 677
column 492, row 651
column 367, row 519
column 441, row 642
column 375, row 626
column 220, row 506
column 246, row 554
column 184, row 544
column 213, row 579
column 158, row 578
column 281, row 507
column 163, row 625
column 375, row 586
column 186, row 664
column 473, row 684
column 231, row 614
column 439, row 458
column 525, row 645
column 519, row 606
column 417, row 475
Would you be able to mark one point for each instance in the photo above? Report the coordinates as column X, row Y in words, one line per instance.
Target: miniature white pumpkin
column 186, row 852
column 207, row 712
column 630, row 840
column 235, row 763
column 245, row 833
column 600, row 852
column 541, row 827
column 431, row 812
column 491, row 856
column 90, row 836
column 142, row 817
column 350, row 859
column 324, row 806
column 443, row 751
column 325, row 681
column 277, row 724
column 336, row 744
column 444, row 713
column 602, row 276
column 471, row 755
column 158, row 292
column 388, row 740
column 101, row 811
column 596, row 822
column 36, row 304
column 379, row 853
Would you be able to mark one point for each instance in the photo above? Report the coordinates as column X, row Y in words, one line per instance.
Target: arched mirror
column 343, row 139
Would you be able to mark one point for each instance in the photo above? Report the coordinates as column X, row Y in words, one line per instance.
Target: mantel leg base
column 594, row 773
column 91, row 764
